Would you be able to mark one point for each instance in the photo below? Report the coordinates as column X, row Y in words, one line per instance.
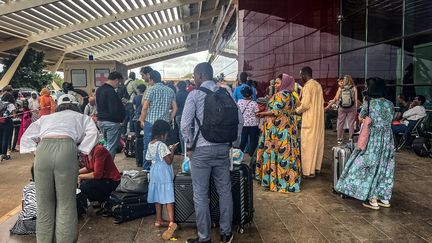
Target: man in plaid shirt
column 158, row 101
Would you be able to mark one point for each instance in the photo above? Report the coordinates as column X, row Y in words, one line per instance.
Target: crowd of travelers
column 283, row 132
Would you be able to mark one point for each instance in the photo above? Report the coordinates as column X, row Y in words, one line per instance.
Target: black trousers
column 5, row 136
column 98, row 189
column 249, row 136
column 14, row 136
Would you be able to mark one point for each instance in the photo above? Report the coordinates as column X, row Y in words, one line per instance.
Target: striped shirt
column 160, row 98
column 194, row 106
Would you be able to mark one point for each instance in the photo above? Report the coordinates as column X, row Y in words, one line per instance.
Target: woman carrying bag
column 368, row 173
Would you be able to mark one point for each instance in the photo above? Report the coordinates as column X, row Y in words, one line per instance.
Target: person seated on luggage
column 100, row 175
column 410, row 117
column 26, row 223
column 161, row 185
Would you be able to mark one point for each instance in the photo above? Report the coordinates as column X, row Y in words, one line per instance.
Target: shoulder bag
column 364, row 131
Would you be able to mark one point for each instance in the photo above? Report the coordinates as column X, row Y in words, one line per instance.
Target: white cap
column 67, row 99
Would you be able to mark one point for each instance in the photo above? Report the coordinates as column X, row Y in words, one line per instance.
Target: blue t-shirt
column 137, row 103
column 238, row 96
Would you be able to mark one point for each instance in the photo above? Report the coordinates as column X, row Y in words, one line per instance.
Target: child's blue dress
column 161, row 186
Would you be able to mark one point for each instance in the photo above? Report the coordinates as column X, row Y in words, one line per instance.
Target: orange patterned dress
column 278, row 155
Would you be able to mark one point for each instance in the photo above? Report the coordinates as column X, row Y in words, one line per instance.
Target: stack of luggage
column 129, row 201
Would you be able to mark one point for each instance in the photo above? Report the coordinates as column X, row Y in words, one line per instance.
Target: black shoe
column 196, row 240
column 227, row 238
column 7, row 157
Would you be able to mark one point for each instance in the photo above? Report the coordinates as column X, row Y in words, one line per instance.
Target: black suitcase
column 130, row 140
column 242, row 194
column 139, row 148
column 128, row 206
column 421, row 146
column 184, row 211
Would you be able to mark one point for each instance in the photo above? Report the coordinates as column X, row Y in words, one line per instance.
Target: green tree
column 58, row 79
column 188, row 76
column 30, row 72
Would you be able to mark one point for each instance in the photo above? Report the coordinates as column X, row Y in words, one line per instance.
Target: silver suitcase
column 341, row 154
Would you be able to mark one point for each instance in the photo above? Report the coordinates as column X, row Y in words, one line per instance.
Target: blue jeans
column 111, row 132
column 406, row 130
column 146, row 140
column 178, row 121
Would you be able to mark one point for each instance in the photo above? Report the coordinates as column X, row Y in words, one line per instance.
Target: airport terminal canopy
column 134, row 32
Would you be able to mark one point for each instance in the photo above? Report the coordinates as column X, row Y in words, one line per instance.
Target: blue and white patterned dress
column 369, row 174
column 161, row 185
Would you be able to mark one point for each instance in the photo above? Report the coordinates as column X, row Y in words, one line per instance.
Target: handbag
column 134, row 183
column 364, row 131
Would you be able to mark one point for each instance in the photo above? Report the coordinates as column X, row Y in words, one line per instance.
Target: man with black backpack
column 215, row 116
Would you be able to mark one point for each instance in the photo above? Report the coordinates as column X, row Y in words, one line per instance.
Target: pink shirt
column 248, row 108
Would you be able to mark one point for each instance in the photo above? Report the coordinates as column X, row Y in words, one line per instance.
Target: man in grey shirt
column 207, row 160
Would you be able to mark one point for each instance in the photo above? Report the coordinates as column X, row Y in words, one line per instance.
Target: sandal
column 169, row 232
column 159, row 224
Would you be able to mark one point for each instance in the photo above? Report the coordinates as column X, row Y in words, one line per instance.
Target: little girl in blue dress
column 161, row 186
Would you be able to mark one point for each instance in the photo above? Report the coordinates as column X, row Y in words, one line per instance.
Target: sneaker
column 339, row 142
column 227, row 238
column 384, row 203
column 196, row 240
column 371, row 205
column 7, row 157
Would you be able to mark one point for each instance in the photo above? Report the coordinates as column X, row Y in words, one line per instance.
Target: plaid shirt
column 160, row 98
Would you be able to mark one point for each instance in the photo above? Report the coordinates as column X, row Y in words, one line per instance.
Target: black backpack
column 220, row 121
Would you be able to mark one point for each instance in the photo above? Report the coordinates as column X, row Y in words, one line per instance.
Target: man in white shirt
column 411, row 116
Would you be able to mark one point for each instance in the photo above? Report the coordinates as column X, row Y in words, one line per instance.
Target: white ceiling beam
column 109, row 19
column 152, row 52
column 16, row 6
column 154, row 41
column 164, row 56
column 11, row 44
column 194, row 18
column 200, row 5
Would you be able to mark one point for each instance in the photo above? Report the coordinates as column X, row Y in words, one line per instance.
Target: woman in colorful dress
column 368, row 174
column 278, row 155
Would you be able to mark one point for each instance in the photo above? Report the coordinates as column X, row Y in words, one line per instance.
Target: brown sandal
column 169, row 232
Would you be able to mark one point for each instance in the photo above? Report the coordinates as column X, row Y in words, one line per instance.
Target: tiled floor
column 313, row 215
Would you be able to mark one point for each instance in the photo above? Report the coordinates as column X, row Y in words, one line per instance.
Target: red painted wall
column 278, row 36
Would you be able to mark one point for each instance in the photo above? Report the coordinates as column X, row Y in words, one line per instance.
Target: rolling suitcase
column 130, row 141
column 341, row 154
column 139, row 148
column 242, row 194
column 184, row 211
column 127, row 206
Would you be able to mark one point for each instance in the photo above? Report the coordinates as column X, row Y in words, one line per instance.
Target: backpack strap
column 207, row 92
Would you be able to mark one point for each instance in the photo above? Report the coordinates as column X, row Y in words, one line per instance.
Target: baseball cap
column 66, row 99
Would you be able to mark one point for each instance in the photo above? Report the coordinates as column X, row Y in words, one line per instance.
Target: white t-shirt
column 151, row 150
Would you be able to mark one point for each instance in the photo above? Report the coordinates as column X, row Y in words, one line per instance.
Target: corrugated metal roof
column 130, row 31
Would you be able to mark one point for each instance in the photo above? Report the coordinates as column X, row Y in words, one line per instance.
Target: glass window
column 353, row 32
column 100, row 76
column 417, row 78
column 353, row 63
column 383, row 61
column 418, row 16
column 384, row 20
column 79, row 77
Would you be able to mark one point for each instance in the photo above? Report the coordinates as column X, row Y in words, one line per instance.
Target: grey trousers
column 211, row 161
column 56, row 173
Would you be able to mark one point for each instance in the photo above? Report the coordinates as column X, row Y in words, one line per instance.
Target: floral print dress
column 278, row 155
column 369, row 174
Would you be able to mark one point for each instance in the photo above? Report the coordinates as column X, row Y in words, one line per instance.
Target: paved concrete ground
column 313, row 215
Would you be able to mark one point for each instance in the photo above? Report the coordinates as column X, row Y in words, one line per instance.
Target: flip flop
column 161, row 224
column 169, row 232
